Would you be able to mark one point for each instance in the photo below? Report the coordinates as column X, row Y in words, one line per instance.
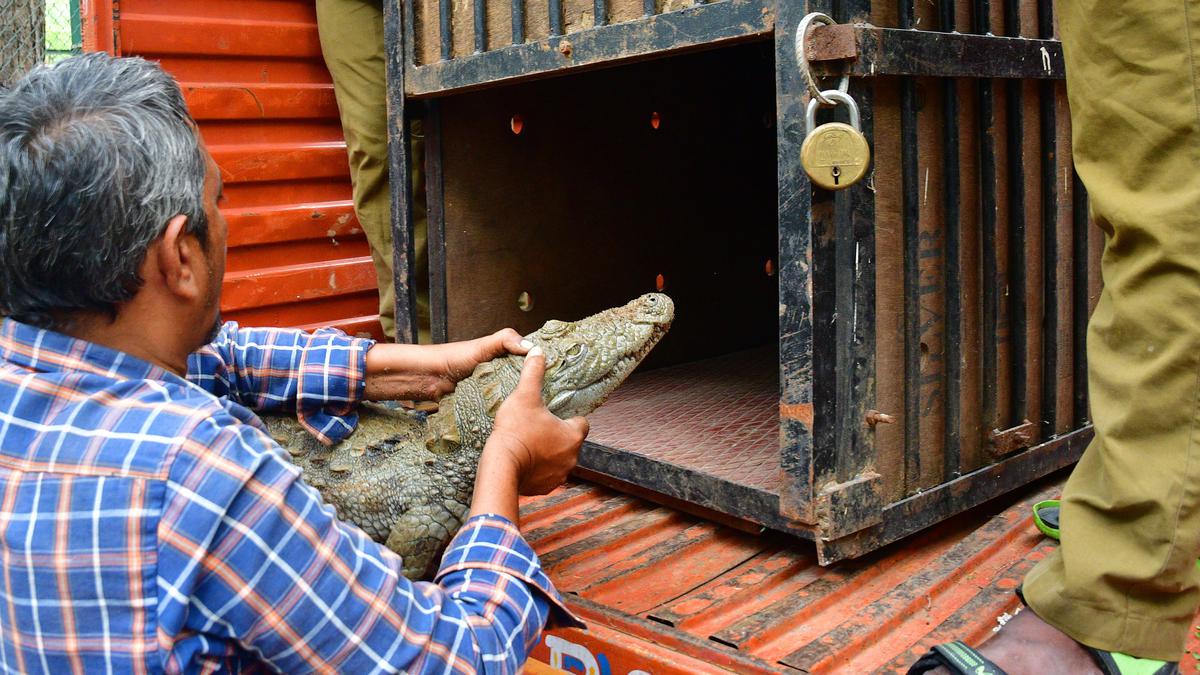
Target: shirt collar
column 46, row 351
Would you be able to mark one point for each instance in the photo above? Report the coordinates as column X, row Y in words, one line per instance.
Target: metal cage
column 920, row 348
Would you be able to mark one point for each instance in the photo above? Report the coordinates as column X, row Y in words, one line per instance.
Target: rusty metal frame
column 826, row 266
column 436, row 221
column 98, row 24
column 921, row 510
column 799, row 379
column 700, row 26
column 400, row 175
column 867, row 51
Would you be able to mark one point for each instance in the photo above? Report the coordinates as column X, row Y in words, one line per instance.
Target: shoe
column 960, row 659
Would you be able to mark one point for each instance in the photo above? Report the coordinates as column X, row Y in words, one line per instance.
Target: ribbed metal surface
column 254, row 79
column 677, row 584
column 718, row 416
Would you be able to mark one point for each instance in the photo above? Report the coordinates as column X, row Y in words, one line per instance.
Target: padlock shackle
column 810, row 114
column 806, row 25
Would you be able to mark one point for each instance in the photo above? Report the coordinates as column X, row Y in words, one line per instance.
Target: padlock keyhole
column 837, row 174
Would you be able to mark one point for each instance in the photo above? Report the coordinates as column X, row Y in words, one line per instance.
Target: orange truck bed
column 664, row 592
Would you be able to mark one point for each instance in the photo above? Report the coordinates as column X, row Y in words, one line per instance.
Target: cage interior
column 566, row 196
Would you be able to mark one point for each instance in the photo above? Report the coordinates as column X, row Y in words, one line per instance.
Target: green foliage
column 62, row 23
column 1196, row 655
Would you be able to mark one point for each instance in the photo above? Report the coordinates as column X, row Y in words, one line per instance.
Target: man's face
column 215, row 251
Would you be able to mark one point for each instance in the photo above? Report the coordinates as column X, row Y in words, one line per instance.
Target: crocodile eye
column 554, row 327
column 576, row 350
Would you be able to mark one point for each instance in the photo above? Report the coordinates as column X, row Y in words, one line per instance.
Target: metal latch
column 846, row 508
column 1002, row 442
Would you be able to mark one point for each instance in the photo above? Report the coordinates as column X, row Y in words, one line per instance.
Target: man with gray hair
column 147, row 522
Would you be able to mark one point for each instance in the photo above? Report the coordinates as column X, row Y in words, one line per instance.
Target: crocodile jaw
column 585, row 361
column 588, row 359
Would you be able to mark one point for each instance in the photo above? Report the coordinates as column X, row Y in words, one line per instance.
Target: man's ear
column 177, row 260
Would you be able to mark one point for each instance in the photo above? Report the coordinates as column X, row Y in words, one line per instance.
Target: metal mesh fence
column 36, row 31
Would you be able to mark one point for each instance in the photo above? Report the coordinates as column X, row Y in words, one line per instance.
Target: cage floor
column 718, row 417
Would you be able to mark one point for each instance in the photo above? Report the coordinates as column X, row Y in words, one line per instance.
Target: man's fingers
column 513, row 343
column 532, row 373
column 505, row 341
column 580, row 424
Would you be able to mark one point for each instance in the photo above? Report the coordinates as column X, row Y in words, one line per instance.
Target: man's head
column 106, row 192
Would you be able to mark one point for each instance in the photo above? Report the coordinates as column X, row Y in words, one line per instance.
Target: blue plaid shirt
column 147, row 524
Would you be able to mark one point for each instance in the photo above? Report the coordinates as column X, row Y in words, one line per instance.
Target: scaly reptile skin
column 407, row 480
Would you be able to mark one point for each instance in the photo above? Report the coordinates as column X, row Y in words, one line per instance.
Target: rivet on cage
column 516, row 124
column 655, row 120
column 875, row 417
column 525, row 302
column 769, row 268
column 660, row 282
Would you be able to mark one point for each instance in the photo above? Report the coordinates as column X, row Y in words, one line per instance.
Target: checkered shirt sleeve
column 147, row 525
column 251, row 553
column 318, row 375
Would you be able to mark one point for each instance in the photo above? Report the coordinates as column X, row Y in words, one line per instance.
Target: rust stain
column 262, row 111
column 802, row 412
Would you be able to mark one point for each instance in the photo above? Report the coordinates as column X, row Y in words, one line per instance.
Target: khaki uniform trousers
column 1124, row 578
column 352, row 42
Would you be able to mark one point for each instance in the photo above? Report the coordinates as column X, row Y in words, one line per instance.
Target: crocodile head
column 587, row 359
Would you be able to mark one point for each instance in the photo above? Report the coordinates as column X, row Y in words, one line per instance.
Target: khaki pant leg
column 1124, row 578
column 351, row 34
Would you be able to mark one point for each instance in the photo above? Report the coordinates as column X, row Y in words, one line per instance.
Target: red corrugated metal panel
column 254, row 79
column 656, row 585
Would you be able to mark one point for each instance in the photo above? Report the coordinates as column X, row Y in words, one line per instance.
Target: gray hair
column 97, row 154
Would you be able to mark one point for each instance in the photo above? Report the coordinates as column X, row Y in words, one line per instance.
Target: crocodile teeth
column 561, row 400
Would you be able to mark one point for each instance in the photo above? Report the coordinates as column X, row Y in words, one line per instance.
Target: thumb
column 533, row 371
column 512, row 342
column 580, row 424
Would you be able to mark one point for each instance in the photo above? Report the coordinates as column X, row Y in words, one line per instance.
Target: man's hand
column 544, row 447
column 429, row 372
column 460, row 358
column 530, row 450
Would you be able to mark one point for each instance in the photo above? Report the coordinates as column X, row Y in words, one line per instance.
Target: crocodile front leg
column 431, row 515
column 420, row 536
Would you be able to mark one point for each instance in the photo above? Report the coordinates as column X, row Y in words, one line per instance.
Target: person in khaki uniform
column 1121, row 592
column 352, row 43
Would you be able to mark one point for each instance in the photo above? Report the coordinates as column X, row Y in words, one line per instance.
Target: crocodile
column 406, row 478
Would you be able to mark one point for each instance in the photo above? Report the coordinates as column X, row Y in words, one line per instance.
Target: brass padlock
column 835, row 155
